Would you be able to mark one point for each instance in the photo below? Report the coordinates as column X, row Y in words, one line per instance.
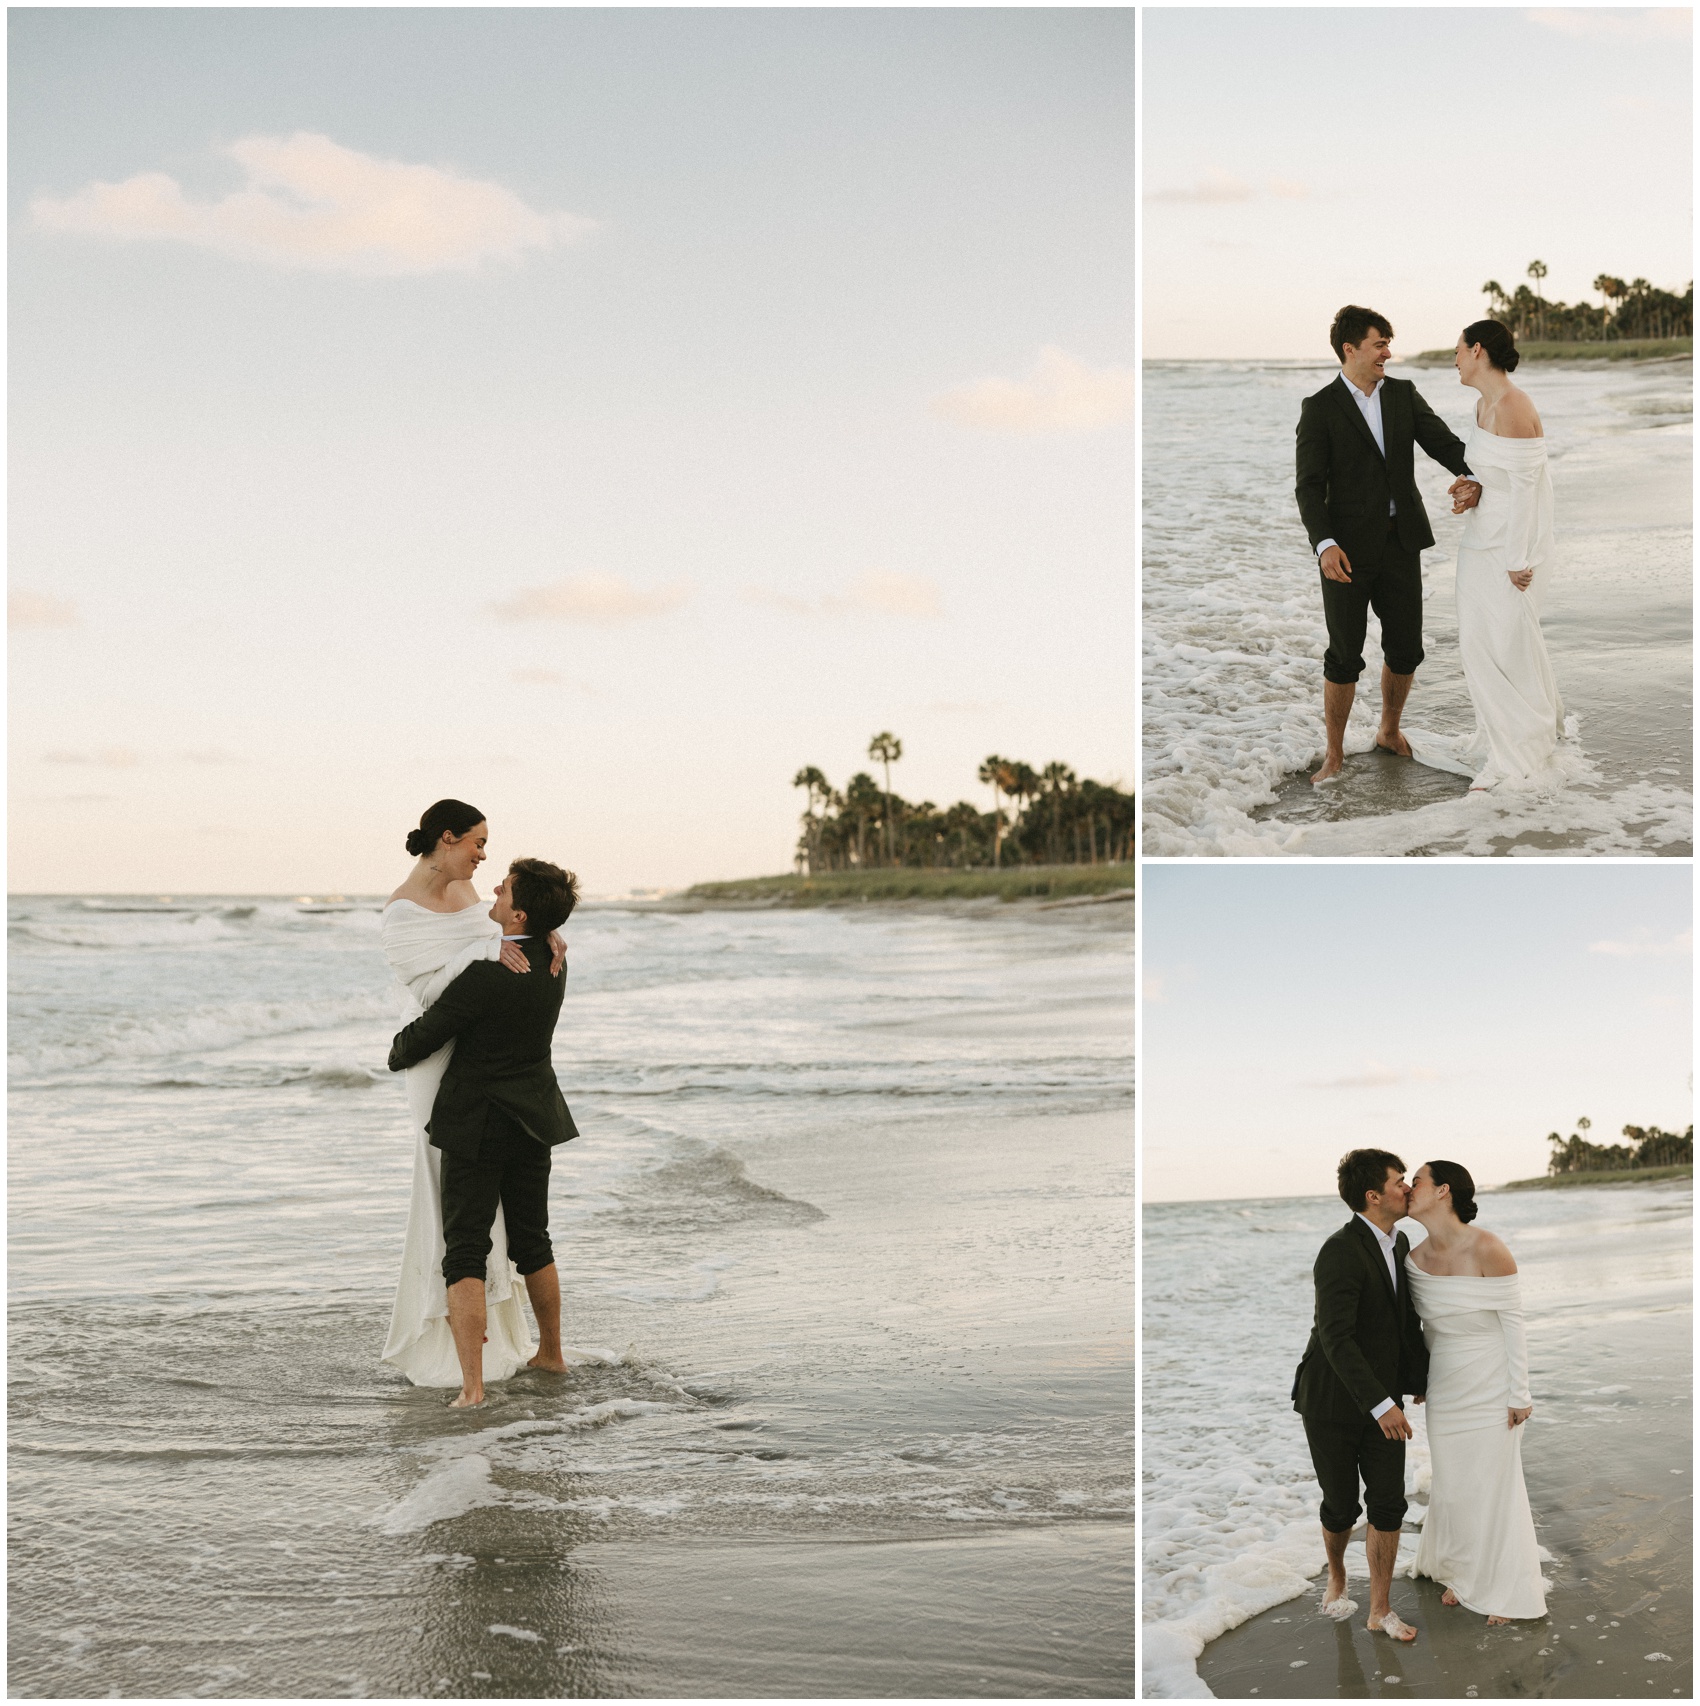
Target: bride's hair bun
column 1497, row 343
column 454, row 816
column 1463, row 1187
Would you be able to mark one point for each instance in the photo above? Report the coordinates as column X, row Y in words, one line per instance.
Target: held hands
column 1518, row 1417
column 513, row 955
column 1465, row 494
column 1393, row 1423
column 1334, row 565
column 1520, row 578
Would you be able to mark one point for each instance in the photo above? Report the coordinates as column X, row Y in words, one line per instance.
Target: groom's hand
column 1465, row 494
column 1394, row 1425
column 1334, row 564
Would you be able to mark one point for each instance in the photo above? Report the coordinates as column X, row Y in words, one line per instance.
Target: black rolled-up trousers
column 1390, row 584
column 1345, row 1453
column 511, row 1168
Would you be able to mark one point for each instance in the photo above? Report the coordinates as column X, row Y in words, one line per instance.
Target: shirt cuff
column 1381, row 1409
column 1324, row 546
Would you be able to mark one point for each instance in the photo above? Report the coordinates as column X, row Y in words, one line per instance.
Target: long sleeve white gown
column 1479, row 1535
column 427, row 951
column 1509, row 677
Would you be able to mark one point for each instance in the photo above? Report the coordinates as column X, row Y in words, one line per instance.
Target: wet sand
column 1609, row 1465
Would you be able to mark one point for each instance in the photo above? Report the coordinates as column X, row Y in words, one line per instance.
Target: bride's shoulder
column 1515, row 416
column 1492, row 1257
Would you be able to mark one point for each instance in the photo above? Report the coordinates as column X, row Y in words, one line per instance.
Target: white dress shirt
column 1370, row 408
column 1387, row 1240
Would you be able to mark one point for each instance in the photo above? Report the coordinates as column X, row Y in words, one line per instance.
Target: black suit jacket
column 1344, row 482
column 503, row 1023
column 1365, row 1344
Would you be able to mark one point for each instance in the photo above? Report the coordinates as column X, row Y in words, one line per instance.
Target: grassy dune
column 1619, row 1176
column 1621, row 349
column 1023, row 882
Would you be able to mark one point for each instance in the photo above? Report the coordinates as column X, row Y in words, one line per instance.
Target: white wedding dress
column 427, row 951
column 1519, row 714
column 1478, row 1537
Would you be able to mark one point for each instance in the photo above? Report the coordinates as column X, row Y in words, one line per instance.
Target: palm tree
column 862, row 801
column 1537, row 271
column 887, row 748
column 994, row 770
column 1058, row 779
column 818, row 787
column 1494, row 291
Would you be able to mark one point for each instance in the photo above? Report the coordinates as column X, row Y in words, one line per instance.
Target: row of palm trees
column 1038, row 817
column 1647, row 1147
column 1633, row 310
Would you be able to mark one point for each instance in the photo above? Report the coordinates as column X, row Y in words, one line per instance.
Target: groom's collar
column 1357, row 392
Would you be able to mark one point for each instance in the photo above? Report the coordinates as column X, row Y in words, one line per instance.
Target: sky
column 595, row 415
column 1454, row 1012
column 1297, row 159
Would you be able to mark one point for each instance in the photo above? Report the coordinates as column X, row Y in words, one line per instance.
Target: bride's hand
column 1465, row 494
column 1519, row 1417
column 1521, row 578
column 513, row 957
column 557, row 952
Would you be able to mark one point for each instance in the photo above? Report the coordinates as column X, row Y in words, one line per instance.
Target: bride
column 1504, row 562
column 433, row 928
column 1479, row 1537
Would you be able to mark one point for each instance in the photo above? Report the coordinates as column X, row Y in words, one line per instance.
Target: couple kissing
column 1443, row 1326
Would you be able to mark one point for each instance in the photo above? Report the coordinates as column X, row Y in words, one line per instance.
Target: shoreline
column 1606, row 1176
column 1051, row 885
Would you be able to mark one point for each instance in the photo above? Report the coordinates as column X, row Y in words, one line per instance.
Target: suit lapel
column 1373, row 1251
column 1349, row 403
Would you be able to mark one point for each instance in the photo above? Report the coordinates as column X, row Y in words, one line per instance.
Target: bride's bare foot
column 1390, row 1623
column 550, row 1360
column 1330, row 769
column 1393, row 742
column 1449, row 1598
column 1492, row 1621
column 465, row 1400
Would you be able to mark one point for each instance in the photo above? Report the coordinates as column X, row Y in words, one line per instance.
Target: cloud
column 595, row 598
column 1289, row 189
column 1642, row 945
column 107, row 758
column 40, row 610
column 1215, row 185
column 311, row 203
column 1062, row 394
column 1657, row 23
column 1375, row 1076
column 877, row 592
column 1151, row 989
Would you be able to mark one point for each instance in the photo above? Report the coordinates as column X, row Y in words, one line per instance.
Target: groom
column 1358, row 499
column 498, row 1114
column 1366, row 1352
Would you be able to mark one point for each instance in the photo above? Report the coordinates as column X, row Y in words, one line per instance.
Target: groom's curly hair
column 1363, row 1171
column 543, row 892
column 1352, row 324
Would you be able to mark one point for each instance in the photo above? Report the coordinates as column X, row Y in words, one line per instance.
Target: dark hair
column 1463, row 1187
column 1363, row 1171
column 1497, row 343
column 455, row 816
column 543, row 892
column 1351, row 326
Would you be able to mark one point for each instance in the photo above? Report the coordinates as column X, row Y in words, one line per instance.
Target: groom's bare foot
column 1393, row 741
column 1449, row 1598
column 1390, row 1623
column 467, row 1400
column 550, row 1360
column 1330, row 769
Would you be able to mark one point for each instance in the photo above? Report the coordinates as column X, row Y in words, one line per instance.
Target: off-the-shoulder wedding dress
column 1519, row 713
column 1479, row 1535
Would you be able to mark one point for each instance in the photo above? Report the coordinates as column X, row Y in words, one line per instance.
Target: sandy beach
column 844, row 1248
column 1234, row 633
column 1233, row 1557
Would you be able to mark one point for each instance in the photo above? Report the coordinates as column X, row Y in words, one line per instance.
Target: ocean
column 845, row 1256
column 1233, row 630
column 1230, row 1501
